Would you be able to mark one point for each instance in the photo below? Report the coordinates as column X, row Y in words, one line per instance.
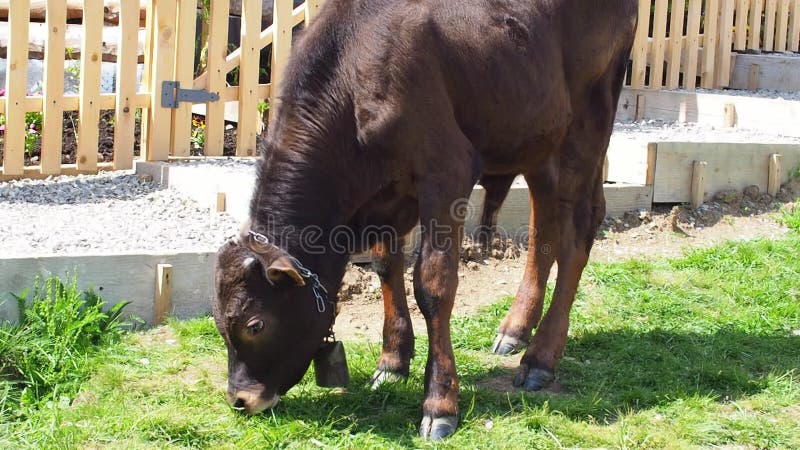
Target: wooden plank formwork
column 729, row 166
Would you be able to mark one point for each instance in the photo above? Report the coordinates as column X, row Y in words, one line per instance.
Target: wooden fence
column 689, row 43
column 678, row 43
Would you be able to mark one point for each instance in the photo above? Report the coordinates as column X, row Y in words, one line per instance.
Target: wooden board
column 769, row 25
column 217, row 53
column 676, row 45
column 657, row 47
column 184, row 74
column 73, row 9
column 794, row 27
column 160, row 128
column 89, row 112
column 53, row 117
column 640, row 46
column 754, row 41
column 777, row 72
column 125, row 114
column 783, row 26
column 281, row 49
column 730, row 166
column 192, row 279
column 740, row 40
column 768, row 115
column 73, row 42
column 724, row 44
column 710, row 44
column 692, row 45
column 16, row 85
column 247, row 127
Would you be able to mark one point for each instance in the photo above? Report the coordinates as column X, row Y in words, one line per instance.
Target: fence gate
column 229, row 75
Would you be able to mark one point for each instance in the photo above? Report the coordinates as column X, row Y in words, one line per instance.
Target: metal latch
column 172, row 94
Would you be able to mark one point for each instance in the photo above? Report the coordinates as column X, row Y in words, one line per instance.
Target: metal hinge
column 172, row 94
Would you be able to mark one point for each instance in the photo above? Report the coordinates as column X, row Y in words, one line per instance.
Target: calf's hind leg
column 398, row 335
column 495, row 189
column 515, row 330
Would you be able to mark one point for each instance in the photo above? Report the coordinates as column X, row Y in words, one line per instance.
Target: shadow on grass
column 603, row 374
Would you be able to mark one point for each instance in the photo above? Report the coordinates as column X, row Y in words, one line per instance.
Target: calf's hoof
column 381, row 377
column 534, row 379
column 506, row 345
column 437, row 428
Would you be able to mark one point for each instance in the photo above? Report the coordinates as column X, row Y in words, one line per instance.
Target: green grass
column 698, row 351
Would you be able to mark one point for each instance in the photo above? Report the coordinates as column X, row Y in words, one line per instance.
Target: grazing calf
column 389, row 113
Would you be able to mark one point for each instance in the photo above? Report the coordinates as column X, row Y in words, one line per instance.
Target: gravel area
column 113, row 212
column 657, row 130
column 118, row 212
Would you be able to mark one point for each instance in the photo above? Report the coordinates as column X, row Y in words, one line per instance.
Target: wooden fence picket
column 163, row 69
column 180, row 145
column 125, row 113
column 52, row 107
column 692, row 44
column 248, row 77
column 675, row 45
column 16, row 88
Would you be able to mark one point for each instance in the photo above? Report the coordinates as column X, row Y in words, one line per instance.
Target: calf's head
column 268, row 316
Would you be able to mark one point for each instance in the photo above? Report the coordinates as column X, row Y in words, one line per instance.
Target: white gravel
column 657, row 130
column 102, row 214
column 117, row 212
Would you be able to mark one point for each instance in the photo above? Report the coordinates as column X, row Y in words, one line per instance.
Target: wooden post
column 281, row 48
column 783, row 26
column 775, row 174
column 692, row 44
column 125, row 114
column 769, row 25
column 217, row 51
column 16, row 87
column 605, row 169
column 754, row 43
column 729, row 115
column 159, row 133
column 676, row 45
column 248, row 76
column 184, row 68
column 710, row 43
column 650, row 175
column 740, row 41
column 89, row 109
column 753, row 77
column 312, row 9
column 221, row 202
column 657, row 51
column 640, row 105
column 640, row 45
column 794, row 27
column 163, row 295
column 724, row 43
column 698, row 183
column 52, row 108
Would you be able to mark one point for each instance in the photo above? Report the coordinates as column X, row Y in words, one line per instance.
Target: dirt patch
column 484, row 277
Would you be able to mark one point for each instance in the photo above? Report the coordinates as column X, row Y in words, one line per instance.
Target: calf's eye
column 254, row 327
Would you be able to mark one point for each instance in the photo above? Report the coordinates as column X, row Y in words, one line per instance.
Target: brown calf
column 390, row 112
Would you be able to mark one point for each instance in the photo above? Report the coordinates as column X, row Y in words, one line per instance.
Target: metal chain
column 320, row 293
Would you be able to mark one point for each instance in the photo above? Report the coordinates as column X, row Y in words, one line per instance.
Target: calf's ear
column 281, row 270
